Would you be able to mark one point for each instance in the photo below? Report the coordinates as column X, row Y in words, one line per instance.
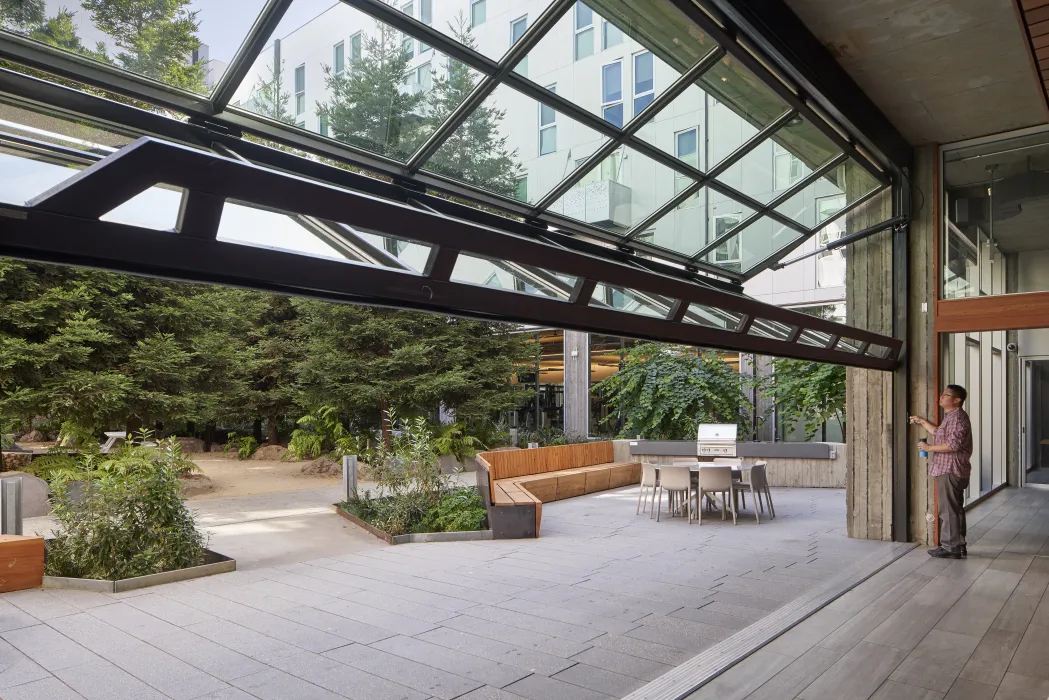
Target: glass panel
column 828, row 195
column 878, row 351
column 697, row 221
column 578, row 72
column 729, row 101
column 644, row 81
column 249, row 224
column 631, row 301
column 620, row 192
column 771, row 329
column 385, row 102
column 478, row 12
column 187, row 45
column 492, row 151
column 511, row 276
column 41, row 126
column 156, row 208
column 24, row 176
column 848, row 345
column 710, row 317
column 411, row 253
column 817, row 339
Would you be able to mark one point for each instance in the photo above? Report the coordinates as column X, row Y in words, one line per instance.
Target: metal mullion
column 84, row 70
column 632, row 127
column 769, row 210
column 714, row 172
column 28, row 145
column 532, row 36
column 388, row 14
column 791, row 247
column 726, row 37
column 265, row 24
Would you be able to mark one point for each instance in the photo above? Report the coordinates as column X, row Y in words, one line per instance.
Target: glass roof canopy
column 613, row 167
column 640, row 124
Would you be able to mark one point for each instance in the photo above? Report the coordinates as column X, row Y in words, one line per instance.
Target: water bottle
column 922, row 453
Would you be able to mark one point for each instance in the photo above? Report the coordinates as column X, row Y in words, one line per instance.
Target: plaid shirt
column 957, row 433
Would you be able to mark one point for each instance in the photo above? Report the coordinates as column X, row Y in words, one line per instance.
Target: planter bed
column 465, row 536
column 214, row 563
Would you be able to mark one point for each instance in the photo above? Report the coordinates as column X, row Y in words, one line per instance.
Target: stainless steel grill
column 716, row 440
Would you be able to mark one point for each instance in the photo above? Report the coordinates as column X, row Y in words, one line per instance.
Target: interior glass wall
column 977, row 362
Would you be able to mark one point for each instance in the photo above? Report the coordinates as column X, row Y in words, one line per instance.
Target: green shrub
column 549, row 437
column 246, row 447
column 323, row 433
column 129, row 521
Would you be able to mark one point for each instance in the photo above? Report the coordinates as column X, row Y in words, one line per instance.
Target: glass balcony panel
column 491, row 152
column 156, row 208
column 184, row 45
column 24, row 176
column 387, row 100
column 631, row 301
column 700, row 219
column 513, row 277
column 620, row 192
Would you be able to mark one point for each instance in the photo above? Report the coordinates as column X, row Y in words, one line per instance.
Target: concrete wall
column 796, row 473
column 577, row 383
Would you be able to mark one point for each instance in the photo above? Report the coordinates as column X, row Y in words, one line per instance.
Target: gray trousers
column 950, row 495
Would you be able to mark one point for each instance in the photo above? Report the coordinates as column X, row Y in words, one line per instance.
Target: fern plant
column 246, row 447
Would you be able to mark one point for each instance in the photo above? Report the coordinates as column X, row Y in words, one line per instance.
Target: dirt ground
column 231, row 477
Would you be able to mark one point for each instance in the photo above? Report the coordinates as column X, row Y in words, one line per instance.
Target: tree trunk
column 209, row 436
column 384, row 423
column 134, row 425
column 257, row 431
column 191, row 429
column 273, row 437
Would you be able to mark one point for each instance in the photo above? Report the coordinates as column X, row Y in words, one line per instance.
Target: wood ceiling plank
column 1039, row 15
column 1039, row 29
column 1042, row 53
column 1040, row 42
column 1028, row 5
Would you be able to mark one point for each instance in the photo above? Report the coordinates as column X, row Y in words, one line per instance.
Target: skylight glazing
column 622, row 121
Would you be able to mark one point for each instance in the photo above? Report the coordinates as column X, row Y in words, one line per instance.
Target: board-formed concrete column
column 577, row 383
column 868, row 289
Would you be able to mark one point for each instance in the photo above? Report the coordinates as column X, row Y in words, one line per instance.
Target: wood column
column 577, row 383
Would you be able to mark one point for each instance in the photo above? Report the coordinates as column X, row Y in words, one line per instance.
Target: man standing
column 951, row 449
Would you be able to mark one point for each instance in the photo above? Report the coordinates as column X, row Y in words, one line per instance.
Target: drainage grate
column 706, row 666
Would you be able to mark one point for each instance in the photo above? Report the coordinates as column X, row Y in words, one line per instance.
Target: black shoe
column 964, row 552
column 941, row 553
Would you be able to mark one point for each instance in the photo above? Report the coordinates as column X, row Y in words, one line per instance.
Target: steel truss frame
column 227, row 125
column 63, row 226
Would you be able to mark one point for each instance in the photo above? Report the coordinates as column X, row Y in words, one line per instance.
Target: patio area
column 602, row 603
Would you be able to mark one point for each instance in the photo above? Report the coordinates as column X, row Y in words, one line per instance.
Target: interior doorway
column 1034, row 421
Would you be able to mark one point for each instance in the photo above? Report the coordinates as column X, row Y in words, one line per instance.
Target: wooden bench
column 515, row 483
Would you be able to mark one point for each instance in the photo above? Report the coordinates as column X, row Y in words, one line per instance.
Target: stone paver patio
column 602, row 603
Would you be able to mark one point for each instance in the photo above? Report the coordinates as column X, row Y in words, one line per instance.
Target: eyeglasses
column 948, row 394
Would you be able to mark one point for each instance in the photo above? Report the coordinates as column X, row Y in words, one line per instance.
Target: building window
column 420, row 79
column 728, row 253
column 547, row 126
column 644, row 82
column 300, row 89
column 686, row 148
column 518, row 27
column 786, row 167
column 355, row 47
column 584, row 31
column 426, row 17
column 339, row 58
column 830, row 264
column 323, row 121
column 521, row 188
column 301, row 124
column 612, row 93
column 478, row 12
column 611, row 35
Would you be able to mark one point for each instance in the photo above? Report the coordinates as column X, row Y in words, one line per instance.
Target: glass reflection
column 186, row 44
column 156, row 208
column 511, row 276
column 24, row 176
column 631, row 301
column 248, row 224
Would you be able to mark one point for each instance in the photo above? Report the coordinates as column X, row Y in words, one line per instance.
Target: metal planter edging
column 217, row 564
column 468, row 536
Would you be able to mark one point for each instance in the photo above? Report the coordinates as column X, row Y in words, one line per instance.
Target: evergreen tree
column 366, row 361
column 476, row 152
column 60, row 31
column 278, row 345
column 368, row 107
column 22, row 15
column 157, row 38
column 270, row 99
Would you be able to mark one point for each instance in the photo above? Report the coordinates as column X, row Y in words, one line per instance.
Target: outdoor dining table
column 694, row 467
